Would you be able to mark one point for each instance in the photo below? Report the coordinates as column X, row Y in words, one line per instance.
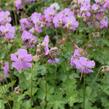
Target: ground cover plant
column 54, row 54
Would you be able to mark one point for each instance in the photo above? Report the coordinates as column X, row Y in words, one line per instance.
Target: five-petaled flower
column 81, row 63
column 21, row 60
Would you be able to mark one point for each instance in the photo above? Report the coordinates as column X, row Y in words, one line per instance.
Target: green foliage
column 56, row 86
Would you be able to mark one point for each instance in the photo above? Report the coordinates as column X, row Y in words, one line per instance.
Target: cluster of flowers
column 65, row 19
column 43, row 50
column 80, row 62
column 92, row 13
column 19, row 4
column 6, row 29
column 50, row 17
column 22, row 60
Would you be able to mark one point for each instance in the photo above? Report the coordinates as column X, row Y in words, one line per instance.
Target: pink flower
column 4, row 17
column 66, row 19
column 21, row 60
column 45, row 44
column 104, row 22
column 8, row 31
column 49, row 14
column 54, row 61
column 95, row 7
column 19, row 4
column 6, row 69
column 29, row 39
column 106, row 4
column 37, row 20
column 25, row 24
column 81, row 63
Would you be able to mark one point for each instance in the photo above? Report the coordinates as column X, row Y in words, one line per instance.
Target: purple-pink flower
column 104, row 23
column 70, row 23
column 6, row 69
column 85, row 7
column 106, row 4
column 49, row 14
column 19, row 4
column 25, row 24
column 65, row 19
column 83, row 1
column 50, row 53
column 54, row 61
column 95, row 7
column 37, row 20
column 7, row 31
column 45, row 44
column 21, row 60
column 58, row 20
column 81, row 63
column 29, row 40
column 4, row 17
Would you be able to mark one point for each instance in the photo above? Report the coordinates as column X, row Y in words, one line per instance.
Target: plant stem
column 45, row 91
column 84, row 91
column 0, row 3
column 31, row 91
column 15, row 17
column 99, row 71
